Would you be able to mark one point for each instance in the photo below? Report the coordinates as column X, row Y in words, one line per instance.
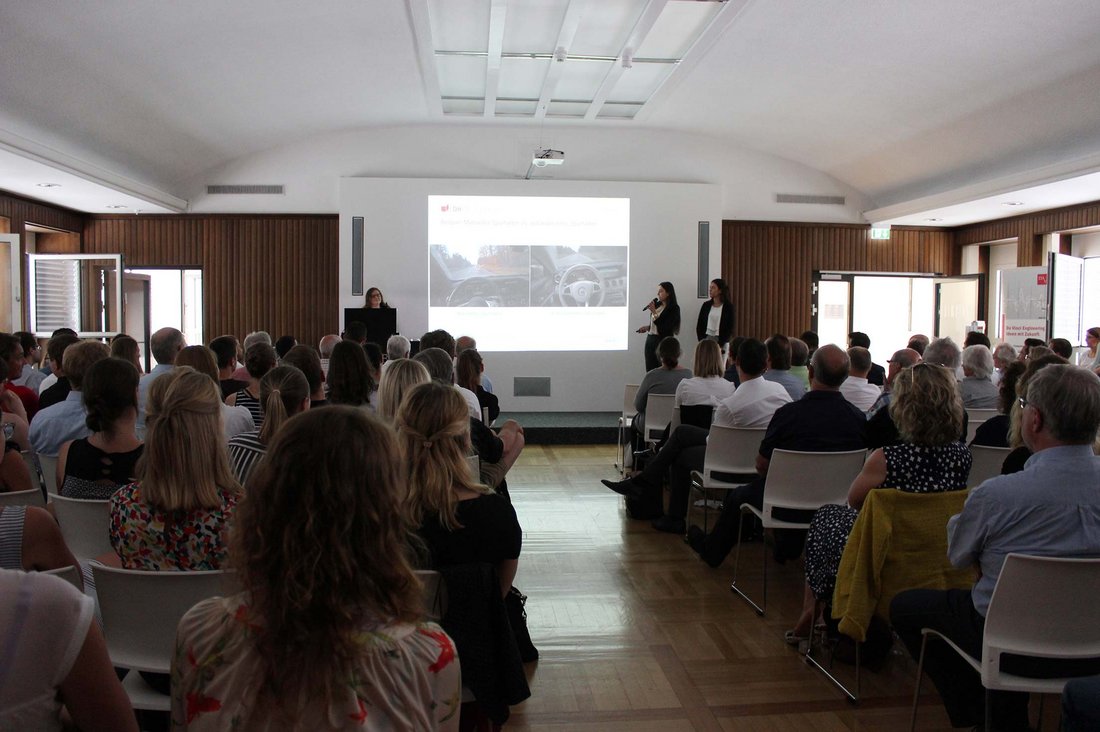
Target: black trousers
column 952, row 613
column 723, row 537
column 683, row 452
column 651, row 360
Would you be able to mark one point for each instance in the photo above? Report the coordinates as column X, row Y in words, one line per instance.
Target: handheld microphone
column 656, row 303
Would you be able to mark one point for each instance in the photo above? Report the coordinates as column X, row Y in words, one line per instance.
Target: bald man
column 821, row 421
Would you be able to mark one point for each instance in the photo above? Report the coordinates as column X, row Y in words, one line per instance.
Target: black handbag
column 514, row 603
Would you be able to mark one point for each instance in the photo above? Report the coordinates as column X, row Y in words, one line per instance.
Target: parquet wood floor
column 636, row 633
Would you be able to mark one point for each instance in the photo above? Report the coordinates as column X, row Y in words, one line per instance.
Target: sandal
column 793, row 639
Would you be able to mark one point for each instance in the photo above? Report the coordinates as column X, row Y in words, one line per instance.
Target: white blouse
column 714, row 320
column 703, row 390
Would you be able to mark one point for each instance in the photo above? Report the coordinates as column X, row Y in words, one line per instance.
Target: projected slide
column 530, row 274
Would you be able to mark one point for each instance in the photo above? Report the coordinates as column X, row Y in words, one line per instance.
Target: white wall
column 1085, row 245
column 663, row 243
column 311, row 168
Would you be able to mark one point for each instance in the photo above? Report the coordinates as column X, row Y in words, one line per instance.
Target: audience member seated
column 225, row 357
column 30, row 540
column 976, row 338
column 881, row 430
column 324, row 349
column 374, row 363
column 126, row 348
column 1090, row 357
column 283, row 345
column 328, row 630
column 259, row 358
column 812, row 341
column 706, row 387
column 469, row 370
column 821, row 421
column 1015, row 460
column 978, row 390
column 397, row 346
column 397, row 380
column 31, row 377
column 443, row 340
column 305, row 359
column 461, row 522
column 800, row 360
column 1061, row 347
column 258, row 336
column 55, row 387
column 1029, row 343
column 349, row 376
column 98, row 465
column 944, row 352
column 284, row 392
column 876, row 375
column 918, row 342
column 928, row 413
column 356, row 332
column 994, row 431
column 497, row 451
column 463, row 343
column 662, row 380
column 730, row 374
column 177, row 514
column 236, row 420
column 1003, row 355
column 54, row 426
column 856, row 388
column 1052, row 508
column 12, row 360
column 751, row 405
column 54, row 656
column 15, row 476
column 779, row 366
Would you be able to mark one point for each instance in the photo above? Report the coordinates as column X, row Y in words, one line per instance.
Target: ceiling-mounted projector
column 545, row 157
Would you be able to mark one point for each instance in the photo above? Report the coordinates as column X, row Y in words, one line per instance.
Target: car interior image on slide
column 528, row 276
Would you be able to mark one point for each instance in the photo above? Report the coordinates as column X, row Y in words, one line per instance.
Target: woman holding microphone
column 664, row 315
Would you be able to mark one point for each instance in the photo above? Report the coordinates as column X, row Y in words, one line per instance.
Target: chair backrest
column 698, row 415
column 34, row 467
column 1064, row 624
column 85, row 525
column 974, row 420
column 809, row 480
column 629, row 393
column 433, row 594
column 69, row 574
column 29, row 497
column 732, row 450
column 473, row 462
column 49, row 472
column 142, row 609
column 987, row 463
column 658, row 415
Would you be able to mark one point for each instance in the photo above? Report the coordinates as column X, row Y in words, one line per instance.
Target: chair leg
column 736, row 560
column 920, row 676
column 809, row 658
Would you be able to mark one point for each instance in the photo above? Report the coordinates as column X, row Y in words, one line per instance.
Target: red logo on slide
column 1041, row 279
column 444, row 208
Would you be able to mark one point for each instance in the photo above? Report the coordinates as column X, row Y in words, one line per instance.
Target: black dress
column 95, row 474
column 489, row 533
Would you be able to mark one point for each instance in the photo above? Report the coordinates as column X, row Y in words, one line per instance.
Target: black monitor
column 381, row 323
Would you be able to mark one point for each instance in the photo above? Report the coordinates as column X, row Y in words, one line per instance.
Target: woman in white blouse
column 706, row 387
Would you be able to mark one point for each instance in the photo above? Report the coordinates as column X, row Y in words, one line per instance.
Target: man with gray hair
column 942, row 352
column 856, row 388
column 1051, row 508
column 1003, row 355
column 324, row 348
column 165, row 344
column 397, row 346
column 977, row 389
column 256, row 336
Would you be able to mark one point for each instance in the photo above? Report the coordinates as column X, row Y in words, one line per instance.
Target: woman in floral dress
column 327, row 633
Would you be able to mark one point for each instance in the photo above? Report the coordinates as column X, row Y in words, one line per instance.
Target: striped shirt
column 252, row 404
column 11, row 536
column 245, row 451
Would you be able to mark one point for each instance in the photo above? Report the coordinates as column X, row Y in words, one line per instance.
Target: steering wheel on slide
column 580, row 285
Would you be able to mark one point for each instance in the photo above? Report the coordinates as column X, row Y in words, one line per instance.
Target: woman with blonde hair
column 928, row 411
column 705, row 386
column 284, row 392
column 176, row 515
column 399, row 377
column 235, row 419
column 327, row 632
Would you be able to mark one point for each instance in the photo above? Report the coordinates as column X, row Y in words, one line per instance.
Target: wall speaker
column 357, row 255
column 703, row 284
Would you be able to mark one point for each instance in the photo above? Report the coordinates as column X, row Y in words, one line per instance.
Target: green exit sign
column 880, row 233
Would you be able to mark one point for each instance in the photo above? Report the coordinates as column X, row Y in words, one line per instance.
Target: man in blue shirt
column 53, row 426
column 1051, row 508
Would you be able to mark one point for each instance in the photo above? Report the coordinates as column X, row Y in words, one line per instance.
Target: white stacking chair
column 730, row 450
column 70, row 574
column 803, row 481
column 140, row 613
column 473, row 464
column 433, row 594
column 34, row 467
column 987, row 463
column 85, row 525
column 658, row 415
column 626, row 421
column 974, row 419
column 49, row 472
column 1064, row 625
column 29, row 497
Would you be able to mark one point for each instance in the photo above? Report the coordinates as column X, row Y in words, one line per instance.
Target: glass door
column 957, row 300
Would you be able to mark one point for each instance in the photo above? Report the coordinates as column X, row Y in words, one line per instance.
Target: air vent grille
column 804, row 198
column 245, row 189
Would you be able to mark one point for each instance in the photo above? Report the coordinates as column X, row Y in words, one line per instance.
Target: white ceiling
column 921, row 106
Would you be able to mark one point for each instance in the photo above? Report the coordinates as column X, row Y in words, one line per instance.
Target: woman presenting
column 716, row 315
column 664, row 315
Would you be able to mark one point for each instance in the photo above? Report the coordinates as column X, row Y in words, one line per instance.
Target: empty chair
column 30, row 497
column 658, row 415
column 987, row 463
column 1031, row 646
column 731, row 452
column 140, row 613
column 85, row 524
column 798, row 481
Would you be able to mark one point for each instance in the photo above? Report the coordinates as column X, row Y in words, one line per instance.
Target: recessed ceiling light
column 1013, row 203
column 933, row 220
column 114, row 205
column 49, row 185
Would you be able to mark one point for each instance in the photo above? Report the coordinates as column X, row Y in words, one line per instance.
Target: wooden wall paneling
column 58, row 242
column 1028, row 229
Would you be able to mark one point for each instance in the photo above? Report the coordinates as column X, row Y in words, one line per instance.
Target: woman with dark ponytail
column 98, row 465
column 284, row 392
